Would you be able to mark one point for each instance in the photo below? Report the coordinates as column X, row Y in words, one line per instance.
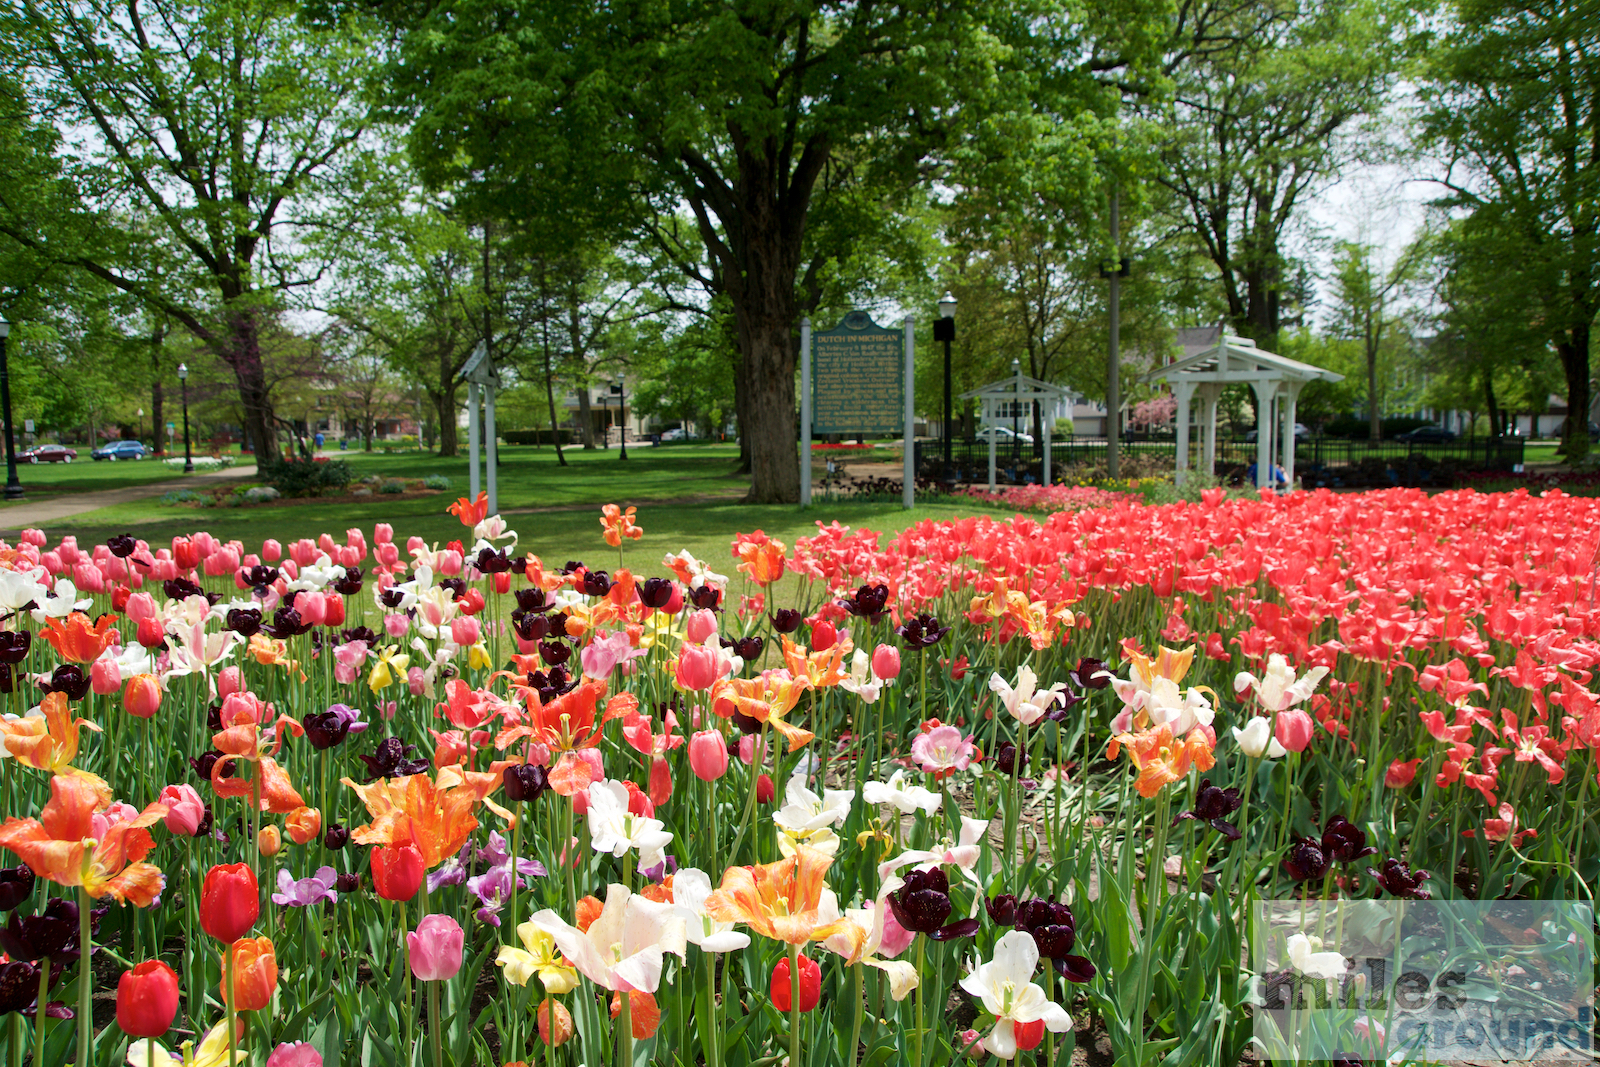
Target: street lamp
column 622, row 416
column 183, row 377
column 944, row 329
column 13, row 487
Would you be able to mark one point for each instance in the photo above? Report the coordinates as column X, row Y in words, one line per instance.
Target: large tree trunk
column 586, row 419
column 158, row 435
column 243, row 355
column 1495, row 429
column 1574, row 355
column 765, row 315
column 1374, row 419
column 445, row 404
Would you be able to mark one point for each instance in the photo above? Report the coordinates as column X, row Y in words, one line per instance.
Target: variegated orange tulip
column 761, row 557
column 619, row 524
column 270, row 652
column 1161, row 758
column 470, row 512
column 76, row 639
column 75, row 842
column 781, row 900
column 243, row 742
column 766, row 700
column 568, row 721
column 434, row 814
column 820, row 669
column 47, row 741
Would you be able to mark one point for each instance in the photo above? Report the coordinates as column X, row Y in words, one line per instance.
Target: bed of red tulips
column 971, row 791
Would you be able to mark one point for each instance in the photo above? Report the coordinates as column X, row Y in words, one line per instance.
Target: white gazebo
column 1276, row 381
column 1011, row 400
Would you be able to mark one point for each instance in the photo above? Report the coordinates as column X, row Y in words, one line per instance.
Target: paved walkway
column 17, row 517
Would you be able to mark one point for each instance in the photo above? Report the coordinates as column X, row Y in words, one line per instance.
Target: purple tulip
column 306, row 891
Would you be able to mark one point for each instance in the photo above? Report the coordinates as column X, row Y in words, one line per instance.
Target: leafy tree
column 1368, row 309
column 206, row 129
column 1510, row 99
column 741, row 111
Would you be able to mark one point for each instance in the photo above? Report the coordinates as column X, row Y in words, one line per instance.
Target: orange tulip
column 269, row 841
column 142, row 696
column 767, row 700
column 243, row 742
column 1162, row 759
column 568, row 721
column 255, row 973
column 760, row 557
column 435, row 815
column 271, row 653
column 618, row 524
column 779, row 900
column 821, row 669
column 72, row 843
column 471, row 512
column 303, row 824
column 49, row 741
column 76, row 639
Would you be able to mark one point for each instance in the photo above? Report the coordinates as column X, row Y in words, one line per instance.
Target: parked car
column 1427, row 435
column 120, row 450
column 1301, row 433
column 48, row 454
column 1003, row 435
column 674, row 434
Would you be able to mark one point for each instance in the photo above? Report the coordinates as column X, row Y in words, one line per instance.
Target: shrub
column 436, row 481
column 299, row 478
column 533, row 437
column 183, row 496
column 392, row 486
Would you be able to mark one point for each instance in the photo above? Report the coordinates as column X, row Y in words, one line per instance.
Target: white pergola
column 999, row 402
column 1276, row 381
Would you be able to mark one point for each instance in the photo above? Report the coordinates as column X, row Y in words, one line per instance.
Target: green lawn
column 44, row 481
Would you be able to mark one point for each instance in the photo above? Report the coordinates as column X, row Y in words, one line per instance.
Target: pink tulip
column 354, row 538
column 708, row 755
column 313, row 608
column 387, row 555
column 396, row 625
column 185, row 810
column 326, row 545
column 348, row 659
column 105, row 676
column 111, row 566
column 600, row 658
column 303, row 552
column 230, row 680
column 271, row 550
column 698, row 667
column 243, row 707
column 68, row 551
column 414, row 544
column 416, row 681
column 435, row 948
column 449, row 562
column 886, row 662
column 350, row 555
column 699, row 626
column 206, row 543
column 34, row 536
column 465, row 631
column 297, row 1054
column 1294, row 729
column 51, row 562
column 382, row 534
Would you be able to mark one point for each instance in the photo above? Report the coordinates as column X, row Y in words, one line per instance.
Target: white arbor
column 1276, row 381
column 1011, row 400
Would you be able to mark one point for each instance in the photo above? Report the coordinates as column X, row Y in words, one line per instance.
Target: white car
column 1003, row 435
column 674, row 434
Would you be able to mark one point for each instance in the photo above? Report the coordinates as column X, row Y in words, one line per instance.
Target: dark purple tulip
column 1344, row 841
column 747, row 724
column 786, row 620
column 748, row 648
column 68, row 679
column 388, row 760
column 1009, row 760
column 526, row 781
column 246, row 622
column 530, row 600
column 1307, row 860
column 1091, row 673
column 181, row 589
column 1399, row 880
column 347, row 883
column 595, row 583
column 204, row 763
column 554, row 683
column 392, row 598
column 870, row 602
column 14, row 645
column 457, row 587
column 923, row 903
column 1054, row 932
column 360, row 633
column 19, row 985
column 530, row 626
column 286, row 622
column 1211, row 806
column 33, row 937
column 1002, row 909
column 350, row 584
column 335, row 837
column 655, row 593
column 259, row 577
column 16, row 885
column 325, row 729
column 554, row 653
column 492, row 561
column 705, row 597
column 921, row 632
column 122, row 545
column 573, row 566
column 8, row 681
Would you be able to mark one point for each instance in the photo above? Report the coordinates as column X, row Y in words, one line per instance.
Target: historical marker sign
column 858, row 379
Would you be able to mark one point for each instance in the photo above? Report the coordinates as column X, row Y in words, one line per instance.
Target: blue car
column 120, row 450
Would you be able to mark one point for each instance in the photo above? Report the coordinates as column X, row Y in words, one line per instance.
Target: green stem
column 85, row 982
column 855, row 1027
column 794, row 1005
column 916, row 1035
column 435, row 1039
column 39, row 1013
column 750, row 800
column 233, row 1026
column 713, row 1039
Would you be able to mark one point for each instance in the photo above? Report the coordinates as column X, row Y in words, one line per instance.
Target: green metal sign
column 858, row 378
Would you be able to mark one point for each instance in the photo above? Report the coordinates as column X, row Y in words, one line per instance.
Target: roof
column 1237, row 359
column 1018, row 387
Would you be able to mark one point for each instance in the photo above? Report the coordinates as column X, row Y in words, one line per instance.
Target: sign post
column 805, row 412
column 909, row 491
column 480, row 373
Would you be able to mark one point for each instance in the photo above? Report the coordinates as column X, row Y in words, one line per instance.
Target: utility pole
column 1116, row 272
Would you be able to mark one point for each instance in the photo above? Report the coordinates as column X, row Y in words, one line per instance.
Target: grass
column 43, row 481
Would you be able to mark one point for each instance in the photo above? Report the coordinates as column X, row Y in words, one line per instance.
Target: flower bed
column 201, row 463
column 945, row 795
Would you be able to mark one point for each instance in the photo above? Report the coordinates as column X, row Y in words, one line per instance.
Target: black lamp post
column 1016, row 412
column 183, row 378
column 944, row 329
column 13, row 487
column 622, row 416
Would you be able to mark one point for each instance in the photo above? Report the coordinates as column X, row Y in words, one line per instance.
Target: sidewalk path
column 18, row 517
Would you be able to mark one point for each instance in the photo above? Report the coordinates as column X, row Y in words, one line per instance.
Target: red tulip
column 397, row 871
column 230, row 902
column 823, row 635
column 335, row 609
column 1400, row 773
column 810, row 984
column 150, row 633
column 147, row 999
column 1294, row 730
column 708, row 755
column 764, row 790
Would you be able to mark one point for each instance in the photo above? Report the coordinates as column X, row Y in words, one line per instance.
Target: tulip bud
column 765, row 790
column 333, row 605
column 295, row 1054
column 699, row 626
column 397, row 871
column 269, row 841
column 335, row 837
column 303, row 823
column 147, row 999
column 142, row 697
column 230, row 680
column 465, row 631
column 254, row 964
column 823, row 635
column 563, row 1024
column 708, row 755
column 105, row 676
column 1256, row 740
column 435, row 948
column 230, row 901
column 783, row 985
column 886, row 662
column 185, row 810
column 149, row 633
column 382, row 534
column 271, row 550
